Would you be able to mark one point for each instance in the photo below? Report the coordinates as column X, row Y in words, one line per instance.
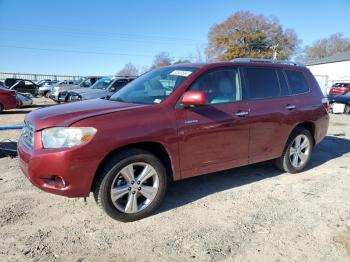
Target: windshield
column 102, row 83
column 153, row 87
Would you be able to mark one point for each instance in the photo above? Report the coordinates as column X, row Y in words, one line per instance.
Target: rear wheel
column 297, row 152
column 1, row 108
column 131, row 186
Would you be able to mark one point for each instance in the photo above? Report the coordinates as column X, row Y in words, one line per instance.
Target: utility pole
column 274, row 51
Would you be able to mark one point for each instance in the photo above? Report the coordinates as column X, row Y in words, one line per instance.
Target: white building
column 332, row 69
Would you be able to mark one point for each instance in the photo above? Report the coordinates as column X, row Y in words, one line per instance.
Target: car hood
column 67, row 114
column 85, row 91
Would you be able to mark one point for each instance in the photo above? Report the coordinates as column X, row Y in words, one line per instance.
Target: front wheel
column 297, row 152
column 131, row 185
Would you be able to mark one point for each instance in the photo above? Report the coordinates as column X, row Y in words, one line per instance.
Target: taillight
column 325, row 103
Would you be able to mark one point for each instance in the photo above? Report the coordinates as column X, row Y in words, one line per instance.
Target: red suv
column 170, row 124
column 7, row 99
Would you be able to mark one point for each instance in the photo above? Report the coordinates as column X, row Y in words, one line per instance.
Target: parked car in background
column 11, row 81
column 24, row 100
column 174, row 123
column 84, row 82
column 103, row 88
column 25, row 86
column 46, row 89
column 7, row 99
column 43, row 82
column 339, row 89
column 339, row 104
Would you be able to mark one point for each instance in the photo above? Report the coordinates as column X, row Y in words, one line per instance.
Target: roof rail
column 263, row 60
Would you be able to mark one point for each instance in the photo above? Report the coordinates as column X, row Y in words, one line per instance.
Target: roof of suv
column 263, row 63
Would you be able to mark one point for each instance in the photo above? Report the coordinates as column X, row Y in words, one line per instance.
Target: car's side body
column 190, row 140
column 92, row 93
column 7, row 99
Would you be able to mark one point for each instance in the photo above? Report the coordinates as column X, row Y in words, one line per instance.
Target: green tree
column 247, row 35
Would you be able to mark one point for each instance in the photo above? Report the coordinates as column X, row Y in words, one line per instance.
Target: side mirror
column 195, row 98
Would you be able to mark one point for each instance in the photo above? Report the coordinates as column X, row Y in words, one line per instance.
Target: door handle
column 290, row 107
column 242, row 113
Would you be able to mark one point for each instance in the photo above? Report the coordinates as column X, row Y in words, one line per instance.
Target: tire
column 347, row 109
column 1, row 108
column 303, row 154
column 114, row 174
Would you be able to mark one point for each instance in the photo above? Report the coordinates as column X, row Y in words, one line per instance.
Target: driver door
column 215, row 136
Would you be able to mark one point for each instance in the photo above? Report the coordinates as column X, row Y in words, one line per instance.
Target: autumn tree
column 247, row 35
column 324, row 47
column 128, row 70
column 161, row 59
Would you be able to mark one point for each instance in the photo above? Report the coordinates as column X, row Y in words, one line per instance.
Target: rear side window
column 297, row 82
column 262, row 83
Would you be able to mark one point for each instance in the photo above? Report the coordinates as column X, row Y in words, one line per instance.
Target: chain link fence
column 37, row 77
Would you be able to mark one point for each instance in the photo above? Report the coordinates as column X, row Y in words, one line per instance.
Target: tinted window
column 297, row 82
column 120, row 83
column 262, row 82
column 222, row 86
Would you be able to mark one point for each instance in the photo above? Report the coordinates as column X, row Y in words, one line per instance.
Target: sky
column 85, row 37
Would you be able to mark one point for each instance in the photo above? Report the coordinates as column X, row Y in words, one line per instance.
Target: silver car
column 46, row 88
column 103, row 88
column 24, row 100
column 84, row 82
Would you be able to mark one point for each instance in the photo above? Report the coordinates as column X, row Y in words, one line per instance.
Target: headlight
column 66, row 137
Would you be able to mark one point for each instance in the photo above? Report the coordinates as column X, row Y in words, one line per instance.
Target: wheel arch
column 154, row 148
column 308, row 125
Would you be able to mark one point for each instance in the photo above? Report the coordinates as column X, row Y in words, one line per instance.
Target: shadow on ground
column 189, row 190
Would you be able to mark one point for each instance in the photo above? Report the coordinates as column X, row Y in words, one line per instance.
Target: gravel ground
column 253, row 213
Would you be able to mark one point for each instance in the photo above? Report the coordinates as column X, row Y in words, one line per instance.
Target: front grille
column 28, row 135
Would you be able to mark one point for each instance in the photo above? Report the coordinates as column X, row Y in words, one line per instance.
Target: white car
column 47, row 88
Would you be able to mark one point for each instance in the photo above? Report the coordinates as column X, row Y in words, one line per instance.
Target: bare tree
column 247, row 35
column 161, row 59
column 128, row 70
column 335, row 43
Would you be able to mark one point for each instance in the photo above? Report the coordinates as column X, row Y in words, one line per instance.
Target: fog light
column 57, row 181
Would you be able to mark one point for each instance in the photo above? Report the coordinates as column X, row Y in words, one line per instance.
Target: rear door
column 271, row 112
column 214, row 136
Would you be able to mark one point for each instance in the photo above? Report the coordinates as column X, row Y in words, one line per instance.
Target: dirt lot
column 254, row 213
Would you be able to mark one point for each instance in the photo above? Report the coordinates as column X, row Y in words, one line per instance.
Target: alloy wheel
column 134, row 187
column 299, row 151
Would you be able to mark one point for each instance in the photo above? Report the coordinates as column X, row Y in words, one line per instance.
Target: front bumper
column 77, row 167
